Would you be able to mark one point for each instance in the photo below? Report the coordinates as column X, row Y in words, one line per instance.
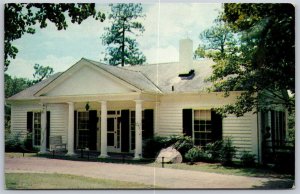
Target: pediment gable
column 86, row 79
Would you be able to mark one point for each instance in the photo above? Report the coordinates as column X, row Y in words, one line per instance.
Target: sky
column 165, row 24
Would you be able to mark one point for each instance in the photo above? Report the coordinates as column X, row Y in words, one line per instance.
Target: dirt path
column 161, row 177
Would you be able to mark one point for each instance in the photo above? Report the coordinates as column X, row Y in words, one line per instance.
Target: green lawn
column 63, row 181
column 218, row 168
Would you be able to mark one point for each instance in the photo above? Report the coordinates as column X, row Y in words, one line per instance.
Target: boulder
column 170, row 154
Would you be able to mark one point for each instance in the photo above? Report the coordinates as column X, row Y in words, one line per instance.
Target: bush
column 213, row 150
column 183, row 144
column 152, row 146
column 13, row 142
column 227, row 152
column 27, row 143
column 248, row 159
column 196, row 154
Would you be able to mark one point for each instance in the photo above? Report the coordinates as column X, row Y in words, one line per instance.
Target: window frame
column 205, row 132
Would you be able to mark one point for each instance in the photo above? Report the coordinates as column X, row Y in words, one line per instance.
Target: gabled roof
column 28, row 93
column 165, row 75
column 132, row 77
column 149, row 78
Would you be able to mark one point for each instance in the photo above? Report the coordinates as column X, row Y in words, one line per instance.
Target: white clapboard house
column 114, row 109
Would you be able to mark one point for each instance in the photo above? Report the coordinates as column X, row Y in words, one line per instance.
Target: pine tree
column 122, row 48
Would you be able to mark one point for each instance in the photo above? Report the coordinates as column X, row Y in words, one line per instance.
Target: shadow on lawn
column 276, row 184
column 93, row 157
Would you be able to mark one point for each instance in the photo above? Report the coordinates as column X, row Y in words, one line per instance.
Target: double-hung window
column 202, row 133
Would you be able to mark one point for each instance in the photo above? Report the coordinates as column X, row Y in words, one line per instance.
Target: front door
column 114, row 133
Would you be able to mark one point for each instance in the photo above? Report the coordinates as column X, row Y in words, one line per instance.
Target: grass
column 218, row 168
column 204, row 167
column 63, row 181
column 18, row 154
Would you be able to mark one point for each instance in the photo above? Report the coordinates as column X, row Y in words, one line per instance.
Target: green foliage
column 152, row 146
column 199, row 52
column 13, row 142
column 291, row 128
column 217, row 38
column 196, row 154
column 248, row 159
column 41, row 72
column 264, row 51
column 183, row 144
column 227, row 152
column 20, row 18
column 213, row 150
column 122, row 47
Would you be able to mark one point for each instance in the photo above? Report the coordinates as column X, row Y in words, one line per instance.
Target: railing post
column 162, row 161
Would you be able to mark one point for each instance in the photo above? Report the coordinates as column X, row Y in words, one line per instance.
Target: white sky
column 165, row 24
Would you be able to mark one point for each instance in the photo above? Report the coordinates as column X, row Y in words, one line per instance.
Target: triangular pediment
column 86, row 79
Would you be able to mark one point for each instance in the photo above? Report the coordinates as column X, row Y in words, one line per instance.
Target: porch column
column 156, row 116
column 71, row 130
column 43, row 148
column 103, row 130
column 138, row 129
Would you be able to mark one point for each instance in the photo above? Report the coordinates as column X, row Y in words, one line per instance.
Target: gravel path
column 159, row 177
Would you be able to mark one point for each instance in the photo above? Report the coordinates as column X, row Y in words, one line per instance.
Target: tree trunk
column 123, row 44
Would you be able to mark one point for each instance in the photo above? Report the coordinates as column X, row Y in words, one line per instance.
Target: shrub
column 213, row 150
column 13, row 142
column 183, row 144
column 152, row 146
column 195, row 154
column 248, row 159
column 27, row 143
column 227, row 152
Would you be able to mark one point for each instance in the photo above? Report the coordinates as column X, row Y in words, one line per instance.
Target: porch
column 104, row 126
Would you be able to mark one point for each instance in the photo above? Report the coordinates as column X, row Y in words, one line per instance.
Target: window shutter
column 75, row 128
column 217, row 126
column 125, row 130
column 148, row 127
column 29, row 122
column 48, row 129
column 187, row 122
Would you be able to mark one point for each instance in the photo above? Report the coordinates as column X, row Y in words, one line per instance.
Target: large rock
column 170, row 155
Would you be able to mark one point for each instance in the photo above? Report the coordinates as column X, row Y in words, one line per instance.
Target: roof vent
column 187, row 76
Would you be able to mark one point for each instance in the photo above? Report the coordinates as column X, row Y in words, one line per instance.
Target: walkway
column 161, row 177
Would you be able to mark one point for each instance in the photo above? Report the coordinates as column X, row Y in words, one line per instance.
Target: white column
column 43, row 148
column 156, row 116
column 71, row 130
column 138, row 129
column 103, row 130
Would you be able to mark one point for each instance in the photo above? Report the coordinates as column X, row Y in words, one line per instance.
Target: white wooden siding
column 58, row 118
column 19, row 117
column 242, row 130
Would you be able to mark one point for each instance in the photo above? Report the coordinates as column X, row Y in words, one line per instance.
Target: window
column 202, row 133
column 36, row 128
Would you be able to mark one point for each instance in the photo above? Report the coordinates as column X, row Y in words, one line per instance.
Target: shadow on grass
column 120, row 159
column 276, row 184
